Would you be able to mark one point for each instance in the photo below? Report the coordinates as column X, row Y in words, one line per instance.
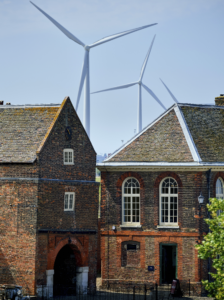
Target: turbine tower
column 171, row 94
column 85, row 67
column 140, row 84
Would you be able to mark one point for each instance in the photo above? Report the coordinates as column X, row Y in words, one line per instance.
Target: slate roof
column 184, row 133
column 22, row 129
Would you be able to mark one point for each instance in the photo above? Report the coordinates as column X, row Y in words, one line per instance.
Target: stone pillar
column 50, row 282
column 82, row 280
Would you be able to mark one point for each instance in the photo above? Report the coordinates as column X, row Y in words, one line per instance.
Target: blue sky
column 39, row 64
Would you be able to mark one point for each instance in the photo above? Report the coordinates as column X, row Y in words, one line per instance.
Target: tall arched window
column 168, row 202
column 219, row 188
column 131, row 201
column 219, row 191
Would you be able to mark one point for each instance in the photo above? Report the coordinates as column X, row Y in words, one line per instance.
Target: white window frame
column 70, row 208
column 132, row 224
column 218, row 195
column 169, row 195
column 71, row 162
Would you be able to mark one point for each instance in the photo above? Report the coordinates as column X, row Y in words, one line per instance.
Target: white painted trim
column 168, row 195
column 219, row 196
column 130, row 224
column 168, row 226
column 160, row 164
column 68, row 151
column 73, row 203
column 176, row 105
column 187, row 134
column 140, row 133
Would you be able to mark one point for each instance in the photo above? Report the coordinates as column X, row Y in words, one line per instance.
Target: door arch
column 66, row 262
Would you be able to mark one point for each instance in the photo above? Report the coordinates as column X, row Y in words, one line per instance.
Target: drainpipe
column 208, row 176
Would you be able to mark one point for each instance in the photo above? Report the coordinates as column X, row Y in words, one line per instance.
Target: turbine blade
column 115, row 36
column 65, row 31
column 83, row 76
column 153, row 95
column 116, row 88
column 170, row 92
column 146, row 58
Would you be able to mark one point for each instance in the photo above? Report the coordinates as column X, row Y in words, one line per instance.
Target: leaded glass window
column 131, row 201
column 168, row 202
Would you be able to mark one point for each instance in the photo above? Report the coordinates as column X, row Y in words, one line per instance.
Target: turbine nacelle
column 87, row 48
column 139, row 82
column 85, row 67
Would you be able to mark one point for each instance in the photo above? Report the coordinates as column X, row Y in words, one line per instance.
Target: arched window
column 219, row 188
column 219, row 191
column 131, row 201
column 168, row 202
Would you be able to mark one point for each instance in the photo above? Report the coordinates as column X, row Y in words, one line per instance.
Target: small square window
column 68, row 156
column 69, row 202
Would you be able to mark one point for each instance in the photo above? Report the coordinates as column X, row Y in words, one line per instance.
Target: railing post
column 156, row 291
column 189, row 287
column 145, row 291
column 133, row 292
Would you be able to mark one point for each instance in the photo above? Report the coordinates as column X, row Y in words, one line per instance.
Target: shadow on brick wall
column 6, row 275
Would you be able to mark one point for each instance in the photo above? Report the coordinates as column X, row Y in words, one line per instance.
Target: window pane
column 71, row 201
column 66, row 201
column 66, row 156
column 131, row 203
column 70, row 156
column 219, row 188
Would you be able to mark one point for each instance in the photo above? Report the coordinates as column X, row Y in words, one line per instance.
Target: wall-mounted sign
column 150, row 268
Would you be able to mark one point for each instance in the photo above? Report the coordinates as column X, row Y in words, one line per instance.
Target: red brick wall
column 149, row 236
column 18, row 205
column 51, row 155
column 27, row 206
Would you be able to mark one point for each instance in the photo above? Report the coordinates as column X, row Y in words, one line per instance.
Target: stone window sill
column 168, row 226
column 131, row 226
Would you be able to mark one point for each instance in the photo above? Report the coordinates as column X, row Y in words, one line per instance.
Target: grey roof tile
column 22, row 129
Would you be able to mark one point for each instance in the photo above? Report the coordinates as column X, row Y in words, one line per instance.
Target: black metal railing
column 153, row 291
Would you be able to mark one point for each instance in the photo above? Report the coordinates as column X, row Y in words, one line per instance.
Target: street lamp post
column 200, row 201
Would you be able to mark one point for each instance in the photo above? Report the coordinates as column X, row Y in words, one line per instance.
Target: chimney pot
column 1, row 102
column 8, row 103
column 219, row 101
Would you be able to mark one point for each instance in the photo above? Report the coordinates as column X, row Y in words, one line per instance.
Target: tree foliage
column 213, row 247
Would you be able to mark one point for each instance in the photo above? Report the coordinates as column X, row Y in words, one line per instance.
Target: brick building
column 47, row 189
column 150, row 214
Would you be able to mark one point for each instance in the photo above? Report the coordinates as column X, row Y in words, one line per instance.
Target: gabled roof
column 22, row 129
column 184, row 134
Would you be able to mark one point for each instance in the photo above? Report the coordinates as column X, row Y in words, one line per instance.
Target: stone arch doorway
column 65, row 266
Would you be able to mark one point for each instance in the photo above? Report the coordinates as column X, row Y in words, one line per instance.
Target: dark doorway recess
column 65, row 272
column 168, row 263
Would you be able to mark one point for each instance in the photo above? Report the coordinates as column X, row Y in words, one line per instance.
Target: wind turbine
column 140, row 84
column 85, row 67
column 171, row 94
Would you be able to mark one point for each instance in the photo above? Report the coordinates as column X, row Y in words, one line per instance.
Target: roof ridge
column 201, row 105
column 31, row 105
column 187, row 134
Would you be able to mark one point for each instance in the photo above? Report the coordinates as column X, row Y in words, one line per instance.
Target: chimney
column 8, row 103
column 1, row 102
column 219, row 100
